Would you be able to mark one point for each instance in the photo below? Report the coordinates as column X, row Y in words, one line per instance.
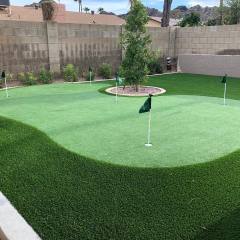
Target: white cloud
column 203, row 3
column 120, row 6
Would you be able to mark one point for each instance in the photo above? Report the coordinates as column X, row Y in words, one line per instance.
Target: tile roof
column 32, row 14
column 173, row 21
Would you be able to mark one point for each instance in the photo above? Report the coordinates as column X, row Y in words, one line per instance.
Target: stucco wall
column 217, row 65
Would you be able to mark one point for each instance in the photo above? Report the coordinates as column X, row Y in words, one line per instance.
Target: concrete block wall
column 163, row 40
column 219, row 40
column 89, row 45
column 23, row 46
column 26, row 46
column 53, row 47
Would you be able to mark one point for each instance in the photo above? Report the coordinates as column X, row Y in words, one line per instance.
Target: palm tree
column 221, row 12
column 166, row 13
column 80, row 4
column 100, row 10
column 86, row 9
column 48, row 9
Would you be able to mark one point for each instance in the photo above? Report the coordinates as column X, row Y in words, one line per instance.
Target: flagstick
column 148, row 144
column 6, row 87
column 116, row 92
column 90, row 75
column 225, row 90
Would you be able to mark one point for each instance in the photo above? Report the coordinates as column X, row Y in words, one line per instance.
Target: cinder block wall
column 23, row 46
column 26, row 46
column 163, row 40
column 219, row 40
column 89, row 45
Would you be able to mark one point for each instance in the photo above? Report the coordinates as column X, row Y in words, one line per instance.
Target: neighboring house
column 4, row 3
column 5, row 7
column 156, row 22
column 34, row 14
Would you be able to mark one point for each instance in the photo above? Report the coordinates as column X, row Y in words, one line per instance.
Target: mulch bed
column 130, row 91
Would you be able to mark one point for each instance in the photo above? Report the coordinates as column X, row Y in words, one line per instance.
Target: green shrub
column 9, row 77
column 45, row 76
column 88, row 76
column 70, row 73
column 154, row 65
column 21, row 76
column 105, row 71
column 27, row 78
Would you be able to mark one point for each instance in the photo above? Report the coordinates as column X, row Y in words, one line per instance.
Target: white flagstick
column 225, row 91
column 116, row 92
column 148, row 144
column 90, row 75
column 6, row 87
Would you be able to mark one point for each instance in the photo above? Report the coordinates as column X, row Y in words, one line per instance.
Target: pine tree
column 135, row 41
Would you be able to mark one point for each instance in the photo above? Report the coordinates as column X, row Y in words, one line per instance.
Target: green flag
column 119, row 80
column 146, row 107
column 224, row 80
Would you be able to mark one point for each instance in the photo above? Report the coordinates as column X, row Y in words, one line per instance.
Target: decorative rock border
column 12, row 224
column 143, row 91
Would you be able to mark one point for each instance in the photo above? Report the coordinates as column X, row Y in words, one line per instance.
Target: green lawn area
column 109, row 193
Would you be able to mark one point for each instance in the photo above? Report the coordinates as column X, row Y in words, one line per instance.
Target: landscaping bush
column 70, row 73
column 105, row 71
column 135, row 43
column 45, row 76
column 154, row 65
column 27, row 78
column 88, row 76
column 9, row 77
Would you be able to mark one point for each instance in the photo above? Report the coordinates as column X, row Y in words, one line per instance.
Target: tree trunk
column 48, row 9
column 221, row 12
column 166, row 13
column 136, row 87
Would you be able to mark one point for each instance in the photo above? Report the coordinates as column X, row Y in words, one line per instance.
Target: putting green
column 185, row 129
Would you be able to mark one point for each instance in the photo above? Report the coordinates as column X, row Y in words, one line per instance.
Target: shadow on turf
column 228, row 228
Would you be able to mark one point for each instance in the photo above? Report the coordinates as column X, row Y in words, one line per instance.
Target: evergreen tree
column 135, row 41
column 191, row 20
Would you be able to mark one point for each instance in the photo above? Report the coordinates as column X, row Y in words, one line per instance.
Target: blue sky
column 121, row 6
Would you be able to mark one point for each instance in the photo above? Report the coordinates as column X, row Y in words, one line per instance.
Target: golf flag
column 146, row 107
column 224, row 80
column 3, row 76
column 119, row 80
column 90, row 74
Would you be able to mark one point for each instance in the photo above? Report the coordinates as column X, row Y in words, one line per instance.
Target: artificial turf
column 185, row 129
column 66, row 196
